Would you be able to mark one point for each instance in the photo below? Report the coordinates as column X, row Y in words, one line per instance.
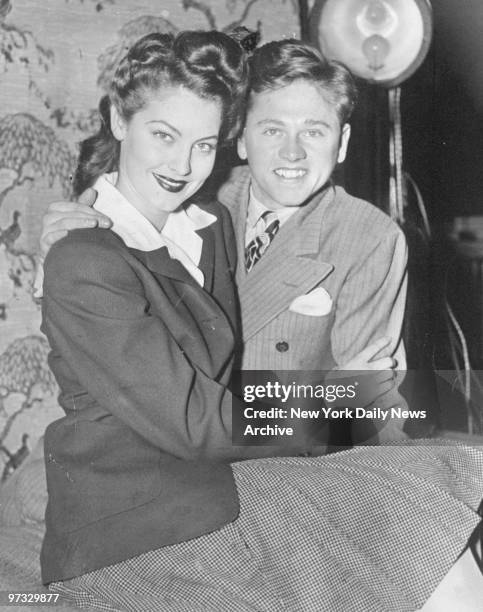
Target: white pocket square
column 315, row 303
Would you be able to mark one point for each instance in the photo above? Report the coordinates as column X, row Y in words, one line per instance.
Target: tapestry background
column 55, row 58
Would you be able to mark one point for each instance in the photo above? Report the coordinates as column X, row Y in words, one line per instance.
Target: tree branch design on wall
column 127, row 36
column 29, row 150
column 20, row 47
column 203, row 7
column 85, row 122
column 147, row 24
column 99, row 5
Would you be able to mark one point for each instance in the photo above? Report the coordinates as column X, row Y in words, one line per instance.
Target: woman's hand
column 64, row 216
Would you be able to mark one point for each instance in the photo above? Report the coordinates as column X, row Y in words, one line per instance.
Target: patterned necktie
column 260, row 243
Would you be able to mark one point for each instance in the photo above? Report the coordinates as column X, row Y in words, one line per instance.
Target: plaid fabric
column 371, row 529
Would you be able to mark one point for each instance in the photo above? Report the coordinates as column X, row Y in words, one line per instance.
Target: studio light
column 382, row 41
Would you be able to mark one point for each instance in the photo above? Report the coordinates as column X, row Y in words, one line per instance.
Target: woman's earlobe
column 118, row 125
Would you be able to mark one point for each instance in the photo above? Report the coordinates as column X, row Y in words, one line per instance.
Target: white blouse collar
column 178, row 234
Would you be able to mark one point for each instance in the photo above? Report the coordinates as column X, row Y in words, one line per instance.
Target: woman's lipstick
column 169, row 184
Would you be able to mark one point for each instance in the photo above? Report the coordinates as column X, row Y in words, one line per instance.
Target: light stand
column 383, row 42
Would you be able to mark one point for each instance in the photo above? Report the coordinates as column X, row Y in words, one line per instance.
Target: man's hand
column 367, row 358
column 64, row 216
column 372, row 374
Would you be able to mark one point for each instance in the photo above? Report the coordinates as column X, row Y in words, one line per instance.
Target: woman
column 145, row 511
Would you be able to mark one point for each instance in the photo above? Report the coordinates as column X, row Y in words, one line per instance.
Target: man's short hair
column 280, row 63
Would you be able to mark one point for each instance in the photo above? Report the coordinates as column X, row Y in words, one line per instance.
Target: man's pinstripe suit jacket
column 342, row 244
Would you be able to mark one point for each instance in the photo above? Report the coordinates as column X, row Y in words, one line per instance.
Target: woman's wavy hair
column 279, row 63
column 210, row 64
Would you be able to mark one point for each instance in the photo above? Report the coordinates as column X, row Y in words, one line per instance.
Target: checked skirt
column 369, row 529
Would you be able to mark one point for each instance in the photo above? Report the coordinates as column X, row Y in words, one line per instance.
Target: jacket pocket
column 96, row 469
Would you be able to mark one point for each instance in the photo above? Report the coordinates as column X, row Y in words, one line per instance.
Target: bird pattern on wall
column 23, row 372
column 14, row 460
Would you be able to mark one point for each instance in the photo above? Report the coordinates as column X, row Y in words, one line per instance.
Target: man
column 332, row 276
column 334, row 279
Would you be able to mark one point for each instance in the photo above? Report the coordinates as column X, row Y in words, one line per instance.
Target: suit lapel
column 240, row 224
column 160, row 263
column 195, row 309
column 207, row 259
column 234, row 195
column 290, row 267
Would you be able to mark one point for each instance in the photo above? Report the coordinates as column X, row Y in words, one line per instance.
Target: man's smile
column 290, row 173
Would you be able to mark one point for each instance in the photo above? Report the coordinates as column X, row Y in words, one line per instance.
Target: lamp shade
column 381, row 41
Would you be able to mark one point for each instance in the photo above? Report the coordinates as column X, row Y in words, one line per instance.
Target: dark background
column 442, row 122
column 442, row 113
column 442, row 130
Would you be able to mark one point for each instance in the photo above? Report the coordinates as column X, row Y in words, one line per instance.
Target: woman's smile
column 169, row 184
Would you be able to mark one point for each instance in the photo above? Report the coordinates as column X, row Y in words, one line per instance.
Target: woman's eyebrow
column 212, row 137
column 171, row 127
